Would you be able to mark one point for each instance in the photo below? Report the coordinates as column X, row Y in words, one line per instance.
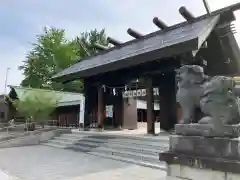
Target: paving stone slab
column 46, row 163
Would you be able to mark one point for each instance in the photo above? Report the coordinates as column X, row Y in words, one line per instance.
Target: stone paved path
column 46, row 163
column 5, row 176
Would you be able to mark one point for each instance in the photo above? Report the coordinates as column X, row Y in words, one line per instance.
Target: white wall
column 141, row 104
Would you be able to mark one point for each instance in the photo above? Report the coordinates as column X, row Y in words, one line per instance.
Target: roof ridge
column 169, row 28
column 46, row 90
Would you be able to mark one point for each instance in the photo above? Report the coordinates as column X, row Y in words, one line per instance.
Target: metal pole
column 5, row 88
column 6, row 79
column 207, row 7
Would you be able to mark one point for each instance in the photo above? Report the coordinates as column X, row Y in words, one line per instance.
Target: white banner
column 139, row 93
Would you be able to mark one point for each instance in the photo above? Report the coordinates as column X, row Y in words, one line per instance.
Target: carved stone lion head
column 189, row 75
column 219, row 84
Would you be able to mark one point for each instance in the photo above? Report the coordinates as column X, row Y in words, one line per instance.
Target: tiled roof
column 191, row 34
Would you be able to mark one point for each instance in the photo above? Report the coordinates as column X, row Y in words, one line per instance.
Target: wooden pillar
column 150, row 106
column 101, row 107
column 168, row 103
column 87, row 105
column 118, row 109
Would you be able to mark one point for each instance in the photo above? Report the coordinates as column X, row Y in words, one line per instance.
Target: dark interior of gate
column 152, row 60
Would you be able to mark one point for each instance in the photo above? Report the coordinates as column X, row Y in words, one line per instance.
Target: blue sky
column 22, row 20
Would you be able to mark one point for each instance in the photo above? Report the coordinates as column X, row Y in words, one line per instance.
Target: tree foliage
column 52, row 53
column 36, row 106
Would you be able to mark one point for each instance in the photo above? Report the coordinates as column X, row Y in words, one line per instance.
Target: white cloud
column 22, row 20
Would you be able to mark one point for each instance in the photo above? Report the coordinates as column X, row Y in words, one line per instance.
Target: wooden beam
column 134, row 33
column 159, row 23
column 207, row 7
column 83, row 46
column 186, row 14
column 113, row 41
column 100, row 47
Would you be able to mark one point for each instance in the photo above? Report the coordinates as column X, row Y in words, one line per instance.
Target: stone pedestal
column 202, row 158
column 207, row 130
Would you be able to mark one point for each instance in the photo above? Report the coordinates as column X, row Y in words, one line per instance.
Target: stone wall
column 33, row 138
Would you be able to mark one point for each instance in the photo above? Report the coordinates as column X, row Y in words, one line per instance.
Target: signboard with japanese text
column 139, row 93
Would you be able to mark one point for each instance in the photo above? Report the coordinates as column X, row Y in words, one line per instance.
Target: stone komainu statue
column 218, row 103
column 212, row 95
column 190, row 90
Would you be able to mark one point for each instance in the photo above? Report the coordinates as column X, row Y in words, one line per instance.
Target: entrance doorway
column 142, row 115
column 109, row 120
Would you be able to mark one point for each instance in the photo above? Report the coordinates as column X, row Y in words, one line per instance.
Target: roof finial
column 113, row 41
column 134, row 33
column 186, row 14
column 159, row 23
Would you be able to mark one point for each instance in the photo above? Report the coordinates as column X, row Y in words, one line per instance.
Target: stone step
column 138, row 142
column 55, row 145
column 112, row 141
column 137, row 138
column 159, row 165
column 58, row 141
column 108, row 148
column 156, row 165
column 142, row 138
column 141, row 151
column 117, row 152
column 131, row 148
column 138, row 159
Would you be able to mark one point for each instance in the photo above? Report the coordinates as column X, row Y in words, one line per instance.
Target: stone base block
column 207, row 130
column 181, row 172
column 227, row 148
column 194, row 167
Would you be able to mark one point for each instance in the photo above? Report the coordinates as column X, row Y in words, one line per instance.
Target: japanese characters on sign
column 139, row 93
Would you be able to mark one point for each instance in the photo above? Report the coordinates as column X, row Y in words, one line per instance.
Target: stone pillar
column 150, row 106
column 101, row 107
column 168, row 102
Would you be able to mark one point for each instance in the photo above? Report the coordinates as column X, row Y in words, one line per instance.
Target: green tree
column 36, row 106
column 53, row 52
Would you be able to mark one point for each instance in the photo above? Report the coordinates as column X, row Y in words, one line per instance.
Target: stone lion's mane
column 195, row 90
